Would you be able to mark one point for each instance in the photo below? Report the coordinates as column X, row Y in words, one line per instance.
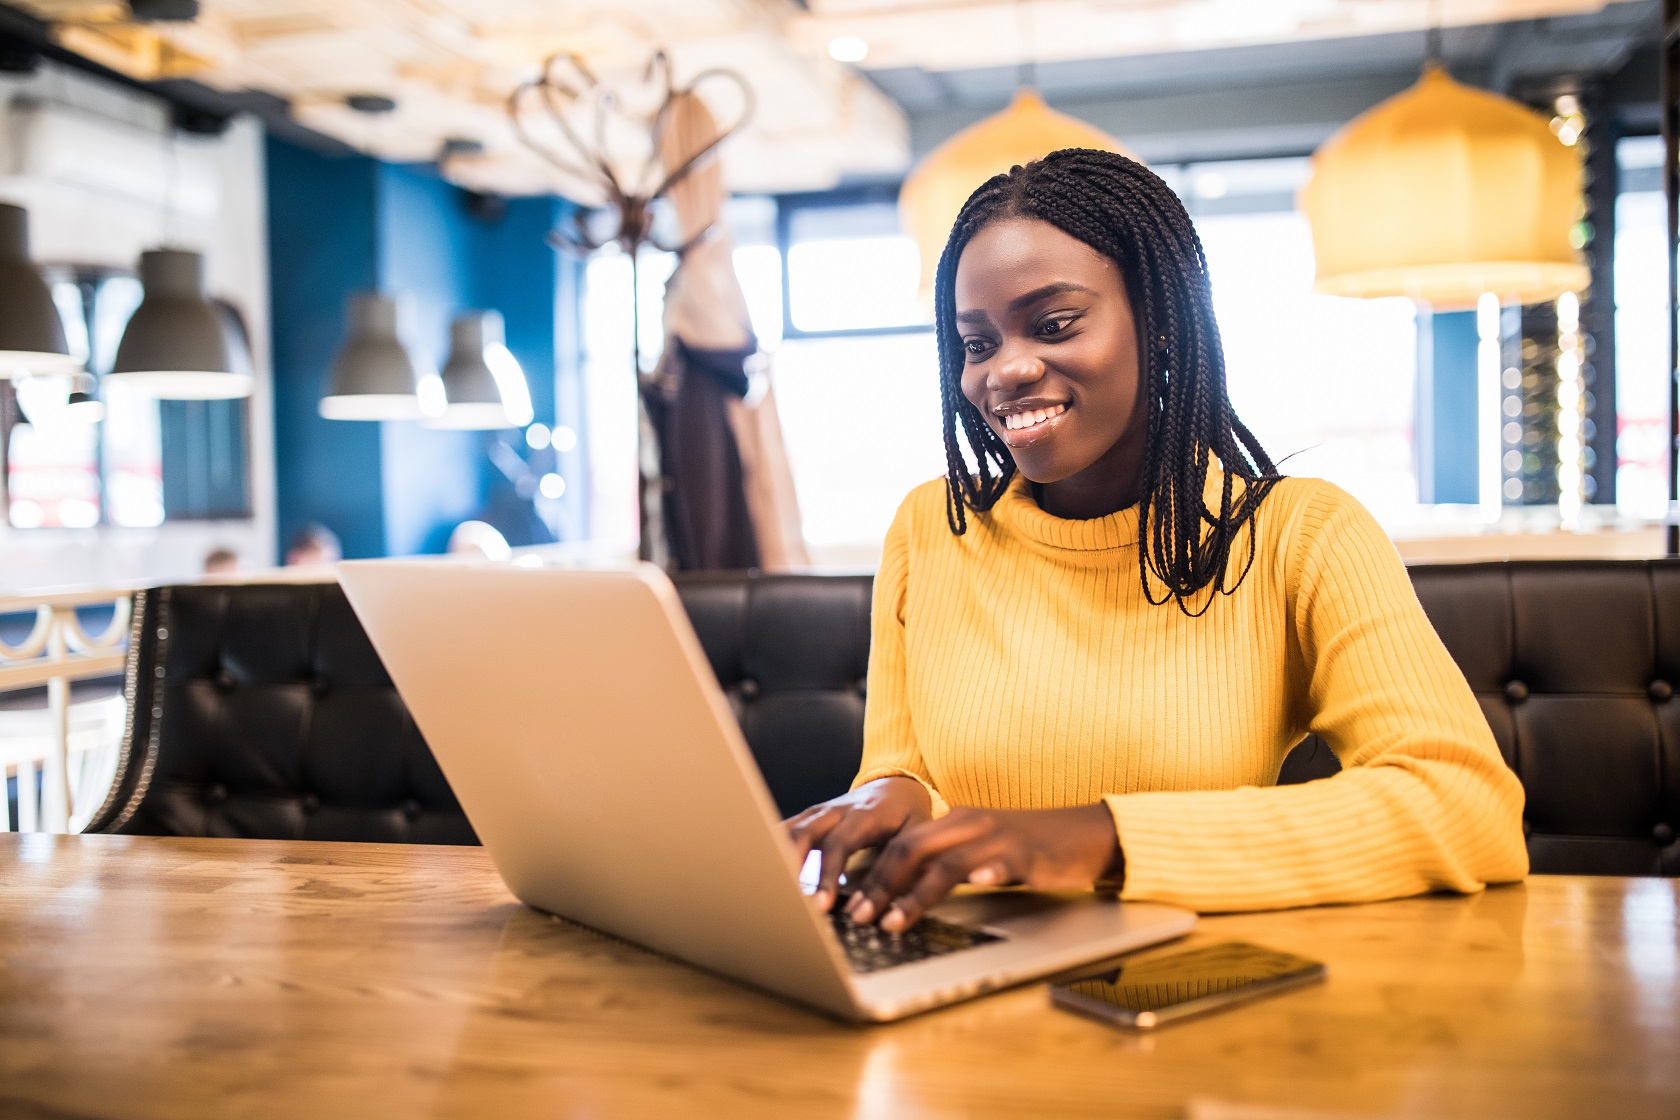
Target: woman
column 1094, row 647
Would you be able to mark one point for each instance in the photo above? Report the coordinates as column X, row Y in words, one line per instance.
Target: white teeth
column 1015, row 421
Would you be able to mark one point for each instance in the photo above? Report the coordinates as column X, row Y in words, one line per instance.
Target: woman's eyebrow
column 1026, row 299
column 1044, row 291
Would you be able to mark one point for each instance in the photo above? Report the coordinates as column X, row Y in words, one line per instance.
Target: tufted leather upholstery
column 275, row 718
column 791, row 652
column 1575, row 664
column 262, row 710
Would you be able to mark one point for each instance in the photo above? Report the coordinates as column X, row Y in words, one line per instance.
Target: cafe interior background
column 408, row 239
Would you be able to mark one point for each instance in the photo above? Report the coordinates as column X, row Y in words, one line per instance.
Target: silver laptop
column 580, row 725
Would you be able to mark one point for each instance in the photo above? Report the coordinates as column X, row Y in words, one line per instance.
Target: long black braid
column 1124, row 211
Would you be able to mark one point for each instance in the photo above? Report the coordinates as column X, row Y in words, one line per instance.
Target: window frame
column 788, row 205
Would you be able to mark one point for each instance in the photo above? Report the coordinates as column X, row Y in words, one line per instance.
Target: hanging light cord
column 1433, row 51
column 1026, row 68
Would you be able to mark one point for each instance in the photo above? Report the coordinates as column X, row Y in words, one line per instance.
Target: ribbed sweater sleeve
column 889, row 734
column 1424, row 801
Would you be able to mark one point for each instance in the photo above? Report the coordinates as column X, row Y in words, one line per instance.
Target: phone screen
column 1156, row 989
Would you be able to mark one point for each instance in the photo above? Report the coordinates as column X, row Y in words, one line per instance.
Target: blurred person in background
column 312, row 545
column 221, row 562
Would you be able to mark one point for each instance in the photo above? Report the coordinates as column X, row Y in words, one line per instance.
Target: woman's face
column 1051, row 361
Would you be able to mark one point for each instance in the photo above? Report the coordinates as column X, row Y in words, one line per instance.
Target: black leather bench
column 261, row 710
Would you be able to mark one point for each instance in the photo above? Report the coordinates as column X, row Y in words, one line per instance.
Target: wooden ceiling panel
column 450, row 64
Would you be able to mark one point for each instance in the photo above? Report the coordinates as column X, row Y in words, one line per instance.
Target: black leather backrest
column 792, row 653
column 1575, row 665
column 263, row 711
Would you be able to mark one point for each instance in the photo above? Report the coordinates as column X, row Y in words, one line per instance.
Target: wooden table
column 146, row 977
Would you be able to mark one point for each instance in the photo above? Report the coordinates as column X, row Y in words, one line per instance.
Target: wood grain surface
column 144, row 977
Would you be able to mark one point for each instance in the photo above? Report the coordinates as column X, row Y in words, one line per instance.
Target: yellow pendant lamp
column 1442, row 193
column 935, row 191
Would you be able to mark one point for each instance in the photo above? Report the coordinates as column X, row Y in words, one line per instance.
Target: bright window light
column 1641, row 355
column 853, row 463
column 848, row 48
column 759, row 269
column 855, row 283
column 1326, row 384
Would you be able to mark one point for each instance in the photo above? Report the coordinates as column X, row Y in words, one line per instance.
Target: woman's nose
column 1015, row 367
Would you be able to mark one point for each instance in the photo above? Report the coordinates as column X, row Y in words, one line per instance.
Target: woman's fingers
column 901, row 863
column 807, row 829
column 863, row 818
column 940, row 874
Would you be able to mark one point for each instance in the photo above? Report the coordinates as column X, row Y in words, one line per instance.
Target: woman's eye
column 1055, row 326
column 975, row 346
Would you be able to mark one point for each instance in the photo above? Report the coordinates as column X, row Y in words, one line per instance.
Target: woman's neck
column 1111, row 484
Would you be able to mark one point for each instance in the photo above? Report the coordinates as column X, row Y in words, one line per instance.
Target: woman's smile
column 1024, row 423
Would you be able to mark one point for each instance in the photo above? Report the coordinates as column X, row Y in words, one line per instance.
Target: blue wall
column 1446, row 413
column 322, row 240
column 341, row 224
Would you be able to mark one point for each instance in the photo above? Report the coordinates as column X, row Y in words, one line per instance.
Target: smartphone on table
column 1161, row 988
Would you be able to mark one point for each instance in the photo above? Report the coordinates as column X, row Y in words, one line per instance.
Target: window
column 1328, row 385
column 850, row 268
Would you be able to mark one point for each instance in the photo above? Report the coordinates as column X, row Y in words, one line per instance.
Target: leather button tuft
column 749, row 688
column 320, row 685
column 862, row 687
column 1528, row 829
column 1660, row 691
column 1516, row 691
column 309, row 802
column 215, row 793
column 1663, row 834
column 412, row 809
column 225, row 681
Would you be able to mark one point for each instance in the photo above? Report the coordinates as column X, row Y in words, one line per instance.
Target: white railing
column 65, row 756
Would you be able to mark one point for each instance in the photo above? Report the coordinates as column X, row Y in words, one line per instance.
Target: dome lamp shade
column 482, row 386
column 1442, row 193
column 936, row 189
column 178, row 346
column 374, row 376
column 31, row 331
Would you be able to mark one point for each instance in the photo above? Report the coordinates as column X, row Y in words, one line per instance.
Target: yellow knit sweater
column 1020, row 666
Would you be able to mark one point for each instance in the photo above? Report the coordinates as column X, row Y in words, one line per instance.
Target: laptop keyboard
column 869, row 948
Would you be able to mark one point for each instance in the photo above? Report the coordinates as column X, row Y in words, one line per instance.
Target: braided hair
column 1125, row 212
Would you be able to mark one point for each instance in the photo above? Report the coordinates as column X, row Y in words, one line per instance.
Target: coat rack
column 567, row 91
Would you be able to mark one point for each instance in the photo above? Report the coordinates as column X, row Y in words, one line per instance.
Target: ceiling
column 931, row 64
column 944, row 35
column 1497, row 55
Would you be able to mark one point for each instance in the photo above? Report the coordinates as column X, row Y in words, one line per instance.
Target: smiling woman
column 1039, row 712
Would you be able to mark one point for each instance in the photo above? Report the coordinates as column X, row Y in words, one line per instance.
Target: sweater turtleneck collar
column 1017, row 513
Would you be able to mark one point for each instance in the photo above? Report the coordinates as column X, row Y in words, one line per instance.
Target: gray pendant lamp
column 178, row 346
column 374, row 377
column 483, row 386
column 31, row 332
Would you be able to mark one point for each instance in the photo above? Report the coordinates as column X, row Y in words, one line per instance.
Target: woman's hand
column 864, row 818
column 1050, row 849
